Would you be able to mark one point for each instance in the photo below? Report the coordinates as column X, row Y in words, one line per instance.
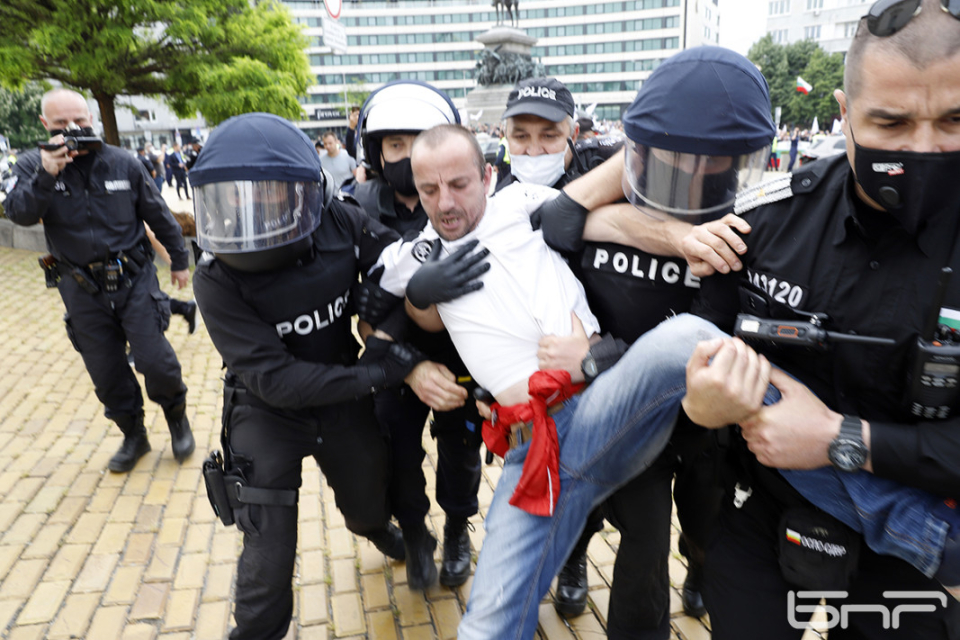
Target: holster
column 226, row 482
column 51, row 270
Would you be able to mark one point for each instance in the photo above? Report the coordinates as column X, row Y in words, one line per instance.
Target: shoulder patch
column 764, row 193
column 421, row 250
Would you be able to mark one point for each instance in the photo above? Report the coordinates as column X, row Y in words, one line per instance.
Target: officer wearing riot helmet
column 93, row 200
column 680, row 167
column 860, row 240
column 389, row 121
column 281, row 255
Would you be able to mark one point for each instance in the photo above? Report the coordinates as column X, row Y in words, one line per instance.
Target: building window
column 814, row 4
column 779, row 7
column 850, row 29
column 811, row 33
column 779, row 36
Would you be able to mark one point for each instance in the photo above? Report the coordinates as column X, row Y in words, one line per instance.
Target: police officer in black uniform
column 389, row 121
column 93, row 200
column 274, row 288
column 861, row 240
column 635, row 283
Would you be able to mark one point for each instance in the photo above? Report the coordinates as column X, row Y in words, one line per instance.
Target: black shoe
column 181, row 438
column 135, row 444
column 455, row 568
column 690, row 593
column 190, row 315
column 420, row 545
column 389, row 541
column 571, row 598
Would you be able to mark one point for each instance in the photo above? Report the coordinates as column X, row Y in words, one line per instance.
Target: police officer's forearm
column 30, row 197
column 624, row 224
column 922, row 455
column 599, row 186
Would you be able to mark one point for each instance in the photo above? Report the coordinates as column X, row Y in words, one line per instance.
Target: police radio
column 935, row 372
column 810, row 334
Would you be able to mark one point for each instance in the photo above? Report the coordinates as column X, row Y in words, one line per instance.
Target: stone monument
column 504, row 60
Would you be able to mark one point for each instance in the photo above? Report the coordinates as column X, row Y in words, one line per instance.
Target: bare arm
column 428, row 319
column 600, row 186
column 624, row 224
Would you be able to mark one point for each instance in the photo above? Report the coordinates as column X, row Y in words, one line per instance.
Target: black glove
column 388, row 362
column 447, row 279
column 374, row 303
column 563, row 220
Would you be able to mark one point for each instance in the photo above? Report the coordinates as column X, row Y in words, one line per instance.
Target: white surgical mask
column 544, row 169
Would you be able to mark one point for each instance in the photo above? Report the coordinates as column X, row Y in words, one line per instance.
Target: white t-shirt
column 528, row 292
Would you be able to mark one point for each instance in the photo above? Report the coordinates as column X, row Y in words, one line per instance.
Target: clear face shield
column 245, row 216
column 690, row 187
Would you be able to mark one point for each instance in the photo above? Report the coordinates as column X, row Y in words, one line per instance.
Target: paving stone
column 374, row 589
column 348, row 618
column 219, row 582
column 382, row 625
column 313, row 604
column 344, row 572
column 180, row 609
column 96, row 573
column 108, row 622
column 151, row 601
column 74, row 617
column 43, row 603
column 22, row 579
column 47, row 541
column 212, row 620
column 66, row 564
column 124, row 585
column 113, row 539
column 446, row 617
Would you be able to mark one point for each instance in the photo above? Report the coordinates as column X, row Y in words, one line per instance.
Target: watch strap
column 851, row 428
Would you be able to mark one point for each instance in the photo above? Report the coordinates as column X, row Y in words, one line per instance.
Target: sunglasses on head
column 886, row 17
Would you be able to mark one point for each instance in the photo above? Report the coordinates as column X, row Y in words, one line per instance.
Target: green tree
column 18, row 115
column 771, row 59
column 357, row 94
column 217, row 57
column 825, row 72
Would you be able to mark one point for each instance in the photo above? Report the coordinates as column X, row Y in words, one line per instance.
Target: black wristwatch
column 589, row 368
column 848, row 452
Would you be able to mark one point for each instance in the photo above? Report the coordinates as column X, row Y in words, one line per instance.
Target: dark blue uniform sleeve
column 921, row 455
column 30, row 197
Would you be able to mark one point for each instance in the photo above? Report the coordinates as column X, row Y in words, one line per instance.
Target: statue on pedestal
column 506, row 7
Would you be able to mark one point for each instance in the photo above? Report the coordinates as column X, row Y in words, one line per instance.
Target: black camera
column 74, row 139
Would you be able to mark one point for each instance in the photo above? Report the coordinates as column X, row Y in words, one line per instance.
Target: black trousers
column 181, row 178
column 100, row 326
column 748, row 599
column 269, row 447
column 640, row 595
column 458, row 451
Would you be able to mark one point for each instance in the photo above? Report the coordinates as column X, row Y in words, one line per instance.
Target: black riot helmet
column 698, row 132
column 258, row 192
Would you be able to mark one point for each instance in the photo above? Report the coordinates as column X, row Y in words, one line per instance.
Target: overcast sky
column 742, row 22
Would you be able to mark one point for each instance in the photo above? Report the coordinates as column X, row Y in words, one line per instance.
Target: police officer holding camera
column 857, row 243
column 93, row 200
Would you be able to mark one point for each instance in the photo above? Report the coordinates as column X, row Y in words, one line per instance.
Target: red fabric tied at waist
column 539, row 486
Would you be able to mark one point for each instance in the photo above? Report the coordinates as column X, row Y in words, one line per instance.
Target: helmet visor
column 245, row 216
column 691, row 187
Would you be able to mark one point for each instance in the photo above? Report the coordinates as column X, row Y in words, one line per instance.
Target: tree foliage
column 18, row 115
column 217, row 57
column 781, row 65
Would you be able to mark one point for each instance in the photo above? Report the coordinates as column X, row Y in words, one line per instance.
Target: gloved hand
column 447, row 279
column 388, row 363
column 374, row 303
column 563, row 220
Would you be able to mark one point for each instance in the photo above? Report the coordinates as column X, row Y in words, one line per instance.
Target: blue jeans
column 614, row 431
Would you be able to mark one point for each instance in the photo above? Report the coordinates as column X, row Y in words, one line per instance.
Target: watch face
column 590, row 366
column 847, row 455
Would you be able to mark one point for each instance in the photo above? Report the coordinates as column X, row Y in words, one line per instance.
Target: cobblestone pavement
column 85, row 553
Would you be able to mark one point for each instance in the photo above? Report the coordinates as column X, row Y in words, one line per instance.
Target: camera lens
column 70, row 143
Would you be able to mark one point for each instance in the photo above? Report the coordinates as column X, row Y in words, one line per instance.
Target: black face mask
column 399, row 175
column 912, row 187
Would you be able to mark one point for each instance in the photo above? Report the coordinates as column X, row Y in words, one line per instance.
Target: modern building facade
column 601, row 49
column 829, row 23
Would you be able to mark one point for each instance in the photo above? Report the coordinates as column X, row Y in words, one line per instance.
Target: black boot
column 135, row 444
column 388, row 541
column 181, row 438
column 690, row 594
column 455, row 568
column 187, row 309
column 420, row 545
column 571, row 598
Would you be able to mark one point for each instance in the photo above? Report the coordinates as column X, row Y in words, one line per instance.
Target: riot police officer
column 634, row 283
column 389, row 121
column 93, row 200
column 274, row 288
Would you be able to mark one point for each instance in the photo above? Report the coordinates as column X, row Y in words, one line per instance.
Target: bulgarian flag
column 803, row 86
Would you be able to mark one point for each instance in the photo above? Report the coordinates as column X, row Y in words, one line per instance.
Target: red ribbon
column 539, row 486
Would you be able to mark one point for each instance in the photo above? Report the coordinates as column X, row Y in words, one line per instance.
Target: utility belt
column 814, row 550
column 108, row 275
column 225, row 475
